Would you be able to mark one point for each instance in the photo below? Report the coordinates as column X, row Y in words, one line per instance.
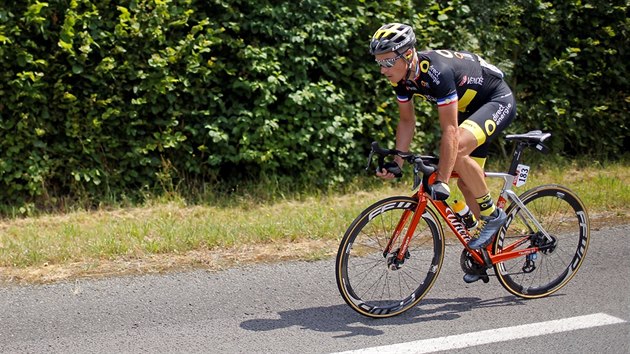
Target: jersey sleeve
column 402, row 94
column 444, row 88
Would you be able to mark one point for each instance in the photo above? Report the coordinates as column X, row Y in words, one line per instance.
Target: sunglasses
column 389, row 62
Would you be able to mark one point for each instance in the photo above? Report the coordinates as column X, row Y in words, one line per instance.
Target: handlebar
column 427, row 164
column 421, row 164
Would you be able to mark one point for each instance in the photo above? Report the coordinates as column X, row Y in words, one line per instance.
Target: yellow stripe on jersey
column 469, row 95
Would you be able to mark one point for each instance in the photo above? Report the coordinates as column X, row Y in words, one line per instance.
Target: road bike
column 392, row 253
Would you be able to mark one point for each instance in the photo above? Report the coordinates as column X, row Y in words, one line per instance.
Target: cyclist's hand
column 440, row 191
column 390, row 170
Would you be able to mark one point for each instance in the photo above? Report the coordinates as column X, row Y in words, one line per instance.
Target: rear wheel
column 372, row 281
column 561, row 215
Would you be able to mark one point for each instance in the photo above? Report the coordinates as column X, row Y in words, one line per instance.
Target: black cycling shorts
column 490, row 119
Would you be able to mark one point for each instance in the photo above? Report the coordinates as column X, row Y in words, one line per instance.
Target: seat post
column 516, row 157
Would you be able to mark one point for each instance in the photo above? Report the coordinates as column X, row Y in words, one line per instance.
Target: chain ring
column 468, row 264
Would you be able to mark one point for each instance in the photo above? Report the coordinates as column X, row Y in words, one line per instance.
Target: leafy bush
column 104, row 99
column 568, row 65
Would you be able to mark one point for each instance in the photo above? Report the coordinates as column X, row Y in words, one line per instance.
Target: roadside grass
column 168, row 234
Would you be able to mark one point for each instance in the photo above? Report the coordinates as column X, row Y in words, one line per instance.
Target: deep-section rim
column 581, row 248
column 429, row 217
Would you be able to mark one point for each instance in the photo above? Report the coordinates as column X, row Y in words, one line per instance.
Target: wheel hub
column 544, row 244
column 393, row 263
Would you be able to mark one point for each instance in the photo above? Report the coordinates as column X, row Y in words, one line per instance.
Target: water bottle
column 465, row 215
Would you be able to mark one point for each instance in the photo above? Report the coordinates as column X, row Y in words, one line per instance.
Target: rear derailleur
column 545, row 246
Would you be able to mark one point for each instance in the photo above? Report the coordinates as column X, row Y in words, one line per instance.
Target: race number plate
column 522, row 171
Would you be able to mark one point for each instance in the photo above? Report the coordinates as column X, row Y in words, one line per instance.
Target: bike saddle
column 532, row 137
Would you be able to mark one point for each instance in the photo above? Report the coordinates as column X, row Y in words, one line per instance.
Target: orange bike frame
column 456, row 226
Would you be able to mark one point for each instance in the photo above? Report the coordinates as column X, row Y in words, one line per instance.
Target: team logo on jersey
column 471, row 81
column 475, row 80
column 434, row 74
column 501, row 113
column 464, row 81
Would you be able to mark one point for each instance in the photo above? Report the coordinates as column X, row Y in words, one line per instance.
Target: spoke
column 369, row 284
column 556, row 213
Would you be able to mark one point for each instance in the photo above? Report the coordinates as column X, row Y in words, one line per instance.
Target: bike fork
column 402, row 253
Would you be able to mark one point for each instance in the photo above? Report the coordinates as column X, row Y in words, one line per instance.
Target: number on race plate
column 522, row 171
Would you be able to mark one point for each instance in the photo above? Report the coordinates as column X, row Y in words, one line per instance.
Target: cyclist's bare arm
column 406, row 127
column 449, row 142
column 404, row 134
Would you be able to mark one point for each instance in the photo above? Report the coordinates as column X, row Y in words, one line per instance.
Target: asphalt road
column 295, row 308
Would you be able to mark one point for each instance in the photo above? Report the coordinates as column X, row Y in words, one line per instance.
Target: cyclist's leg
column 477, row 131
column 469, row 196
column 471, row 159
column 467, row 143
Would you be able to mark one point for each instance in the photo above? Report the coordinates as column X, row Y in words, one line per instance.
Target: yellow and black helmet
column 392, row 37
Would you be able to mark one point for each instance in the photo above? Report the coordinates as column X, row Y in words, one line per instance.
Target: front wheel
column 370, row 279
column 561, row 215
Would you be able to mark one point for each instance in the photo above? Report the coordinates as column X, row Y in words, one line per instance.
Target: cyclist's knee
column 467, row 143
column 463, row 161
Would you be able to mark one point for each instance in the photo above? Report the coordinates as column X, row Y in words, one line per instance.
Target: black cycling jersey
column 485, row 102
column 446, row 76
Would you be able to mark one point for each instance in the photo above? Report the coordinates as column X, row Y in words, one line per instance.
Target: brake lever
column 381, row 162
column 419, row 166
column 369, row 161
column 416, row 180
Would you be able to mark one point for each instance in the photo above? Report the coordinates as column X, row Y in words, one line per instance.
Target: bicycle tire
column 563, row 215
column 364, row 278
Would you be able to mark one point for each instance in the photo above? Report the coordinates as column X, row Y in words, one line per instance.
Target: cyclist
column 474, row 105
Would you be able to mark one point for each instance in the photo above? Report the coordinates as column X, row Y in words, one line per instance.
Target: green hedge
column 569, row 68
column 107, row 98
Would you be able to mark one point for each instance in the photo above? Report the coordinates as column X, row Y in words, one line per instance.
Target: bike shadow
column 340, row 318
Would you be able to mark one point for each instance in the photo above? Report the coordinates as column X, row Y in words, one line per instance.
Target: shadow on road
column 340, row 318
